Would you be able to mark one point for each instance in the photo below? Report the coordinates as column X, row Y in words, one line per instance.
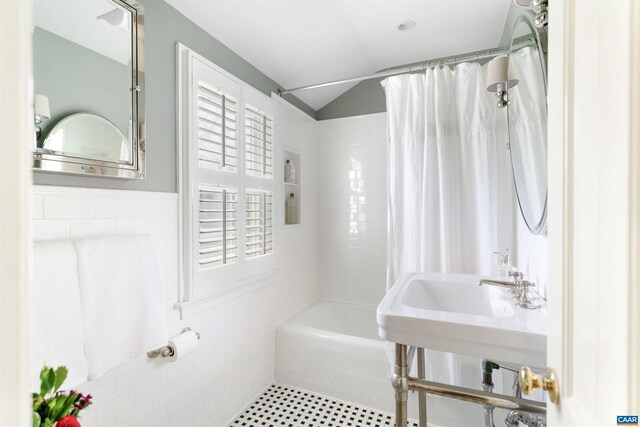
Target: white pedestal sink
column 450, row 312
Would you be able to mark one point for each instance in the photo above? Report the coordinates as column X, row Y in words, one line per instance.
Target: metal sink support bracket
column 402, row 383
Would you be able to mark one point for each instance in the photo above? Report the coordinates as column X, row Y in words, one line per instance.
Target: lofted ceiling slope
column 301, row 42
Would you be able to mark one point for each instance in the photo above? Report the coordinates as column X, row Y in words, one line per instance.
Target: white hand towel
column 122, row 299
column 57, row 328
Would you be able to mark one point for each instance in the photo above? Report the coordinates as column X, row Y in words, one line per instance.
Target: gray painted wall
column 164, row 27
column 368, row 97
column 65, row 72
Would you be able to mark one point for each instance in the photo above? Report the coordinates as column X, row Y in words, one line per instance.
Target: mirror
column 527, row 118
column 89, row 81
column 89, row 136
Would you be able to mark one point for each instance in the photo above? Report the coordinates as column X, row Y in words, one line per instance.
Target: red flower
column 68, row 421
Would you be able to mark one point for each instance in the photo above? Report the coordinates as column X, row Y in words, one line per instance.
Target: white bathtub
column 333, row 348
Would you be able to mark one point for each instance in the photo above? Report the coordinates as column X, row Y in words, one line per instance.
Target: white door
column 594, row 210
column 16, row 136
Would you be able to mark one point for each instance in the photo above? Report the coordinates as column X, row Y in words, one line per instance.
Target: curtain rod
column 445, row 60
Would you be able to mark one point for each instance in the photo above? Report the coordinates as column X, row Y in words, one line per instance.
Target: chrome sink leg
column 400, row 385
column 422, row 396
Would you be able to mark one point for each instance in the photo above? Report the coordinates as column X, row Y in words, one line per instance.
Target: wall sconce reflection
column 42, row 112
column 497, row 80
column 117, row 18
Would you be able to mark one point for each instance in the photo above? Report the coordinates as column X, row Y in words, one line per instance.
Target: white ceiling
column 301, row 42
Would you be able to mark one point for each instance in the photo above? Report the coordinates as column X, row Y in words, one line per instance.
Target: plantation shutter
column 227, row 146
column 217, row 129
column 259, row 223
column 259, row 113
column 258, row 142
column 217, row 226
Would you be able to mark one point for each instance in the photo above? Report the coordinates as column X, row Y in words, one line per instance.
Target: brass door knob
column 530, row 382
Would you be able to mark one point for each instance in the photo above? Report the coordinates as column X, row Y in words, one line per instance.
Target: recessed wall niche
column 292, row 187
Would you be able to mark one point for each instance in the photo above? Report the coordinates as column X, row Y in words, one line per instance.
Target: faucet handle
column 517, row 275
column 524, row 300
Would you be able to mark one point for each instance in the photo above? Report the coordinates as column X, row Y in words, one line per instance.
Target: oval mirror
column 527, row 118
column 88, row 136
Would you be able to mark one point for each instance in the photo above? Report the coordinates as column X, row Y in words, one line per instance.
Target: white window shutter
column 258, row 142
column 217, row 231
column 217, row 128
column 217, row 226
column 259, row 226
column 227, row 146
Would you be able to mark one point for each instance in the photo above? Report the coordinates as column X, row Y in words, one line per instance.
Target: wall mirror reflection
column 527, row 117
column 89, row 86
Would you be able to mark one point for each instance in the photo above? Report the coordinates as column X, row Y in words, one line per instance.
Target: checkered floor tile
column 282, row 406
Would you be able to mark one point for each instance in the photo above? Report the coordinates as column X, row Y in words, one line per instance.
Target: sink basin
column 450, row 312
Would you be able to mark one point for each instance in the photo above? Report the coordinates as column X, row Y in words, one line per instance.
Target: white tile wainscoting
column 234, row 361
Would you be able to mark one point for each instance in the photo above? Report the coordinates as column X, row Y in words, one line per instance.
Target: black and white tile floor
column 282, row 406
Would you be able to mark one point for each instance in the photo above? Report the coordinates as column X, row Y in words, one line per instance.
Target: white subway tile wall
column 234, row 361
column 353, row 209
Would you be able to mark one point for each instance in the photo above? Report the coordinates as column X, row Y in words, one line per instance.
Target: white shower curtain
column 443, row 171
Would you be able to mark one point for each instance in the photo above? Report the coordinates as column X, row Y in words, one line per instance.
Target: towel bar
column 167, row 350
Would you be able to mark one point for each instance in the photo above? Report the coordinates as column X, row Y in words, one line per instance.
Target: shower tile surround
column 353, row 213
column 353, row 208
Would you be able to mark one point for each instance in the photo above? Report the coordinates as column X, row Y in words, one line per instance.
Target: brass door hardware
column 530, row 382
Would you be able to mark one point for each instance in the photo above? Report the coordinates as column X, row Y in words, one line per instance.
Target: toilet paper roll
column 182, row 345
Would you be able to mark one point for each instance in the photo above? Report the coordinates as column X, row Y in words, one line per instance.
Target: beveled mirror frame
column 59, row 163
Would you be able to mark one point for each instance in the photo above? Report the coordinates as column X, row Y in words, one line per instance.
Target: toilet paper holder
column 167, row 350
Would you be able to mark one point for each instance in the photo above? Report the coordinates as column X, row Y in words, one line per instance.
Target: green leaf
column 43, row 371
column 54, row 405
column 62, row 406
column 37, row 402
column 36, row 419
column 61, row 375
column 47, row 423
column 51, row 404
column 47, row 378
column 68, row 406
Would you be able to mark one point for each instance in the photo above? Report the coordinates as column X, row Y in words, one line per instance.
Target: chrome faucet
column 518, row 285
